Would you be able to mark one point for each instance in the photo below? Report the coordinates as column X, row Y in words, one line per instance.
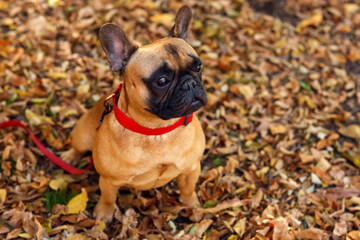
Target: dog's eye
column 162, row 82
column 198, row 67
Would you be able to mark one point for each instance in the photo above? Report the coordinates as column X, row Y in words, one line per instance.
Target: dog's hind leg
column 84, row 133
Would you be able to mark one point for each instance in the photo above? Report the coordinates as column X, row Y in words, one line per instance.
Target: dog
column 162, row 87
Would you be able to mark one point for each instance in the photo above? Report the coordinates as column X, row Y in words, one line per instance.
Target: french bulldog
column 151, row 136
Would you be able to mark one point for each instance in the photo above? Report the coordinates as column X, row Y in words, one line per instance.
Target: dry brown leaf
column 281, row 230
column 224, row 205
column 164, row 18
column 315, row 20
column 353, row 235
column 312, row 234
column 352, row 131
column 340, row 228
column 278, row 129
column 203, row 226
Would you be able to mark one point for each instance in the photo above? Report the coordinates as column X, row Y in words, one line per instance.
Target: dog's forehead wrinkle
column 172, row 49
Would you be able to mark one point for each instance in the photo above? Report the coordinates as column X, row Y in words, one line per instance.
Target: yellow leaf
column 246, row 90
column 165, row 18
column 56, row 75
column 2, row 196
column 83, row 88
column 357, row 161
column 233, row 237
column 4, row 4
column 53, row 3
column 278, row 129
column 315, row 20
column 59, row 183
column 351, row 7
column 37, row 119
column 352, row 131
column 77, row 236
column 24, row 235
column 100, row 225
column 21, row 93
column 47, row 225
column 310, row 103
column 240, row 227
column 78, row 203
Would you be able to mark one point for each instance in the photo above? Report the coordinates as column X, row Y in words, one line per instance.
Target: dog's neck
column 140, row 115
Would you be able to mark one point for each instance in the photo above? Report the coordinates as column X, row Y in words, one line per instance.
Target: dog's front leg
column 106, row 206
column 186, row 182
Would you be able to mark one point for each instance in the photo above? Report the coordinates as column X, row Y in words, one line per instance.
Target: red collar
column 130, row 124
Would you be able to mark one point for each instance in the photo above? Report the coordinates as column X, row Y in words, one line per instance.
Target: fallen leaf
column 352, row 131
column 306, row 158
column 312, row 234
column 323, row 165
column 43, row 182
column 100, row 225
column 4, row 4
column 281, row 230
column 224, row 205
column 340, row 228
column 353, row 235
column 4, row 229
column 78, row 203
column 240, row 227
column 315, row 20
column 351, row 7
column 164, row 18
column 77, row 236
column 246, row 90
column 83, row 88
column 57, row 184
column 203, row 226
column 14, row 233
column 36, row 119
column 24, row 235
column 2, row 196
column 278, row 129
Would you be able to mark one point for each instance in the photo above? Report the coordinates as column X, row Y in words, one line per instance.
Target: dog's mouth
column 195, row 102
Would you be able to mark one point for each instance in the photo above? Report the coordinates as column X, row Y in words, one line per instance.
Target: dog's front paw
column 191, row 201
column 71, row 156
column 104, row 212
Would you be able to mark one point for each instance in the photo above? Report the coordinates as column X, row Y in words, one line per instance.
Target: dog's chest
column 146, row 163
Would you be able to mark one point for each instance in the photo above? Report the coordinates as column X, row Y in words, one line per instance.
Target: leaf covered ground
column 282, row 124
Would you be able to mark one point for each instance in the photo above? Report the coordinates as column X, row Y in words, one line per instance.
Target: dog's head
column 163, row 77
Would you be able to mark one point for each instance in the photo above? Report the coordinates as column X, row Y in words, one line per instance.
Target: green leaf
column 305, row 86
column 194, row 229
column 217, row 162
column 12, row 99
column 209, row 204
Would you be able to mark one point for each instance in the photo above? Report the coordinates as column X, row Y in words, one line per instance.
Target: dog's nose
column 188, row 84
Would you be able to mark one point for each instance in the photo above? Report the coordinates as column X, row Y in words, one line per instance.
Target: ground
column 282, row 123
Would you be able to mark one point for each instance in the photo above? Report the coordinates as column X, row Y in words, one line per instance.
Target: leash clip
column 107, row 99
column 108, row 107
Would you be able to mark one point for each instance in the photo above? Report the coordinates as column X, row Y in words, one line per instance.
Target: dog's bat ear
column 117, row 46
column 182, row 22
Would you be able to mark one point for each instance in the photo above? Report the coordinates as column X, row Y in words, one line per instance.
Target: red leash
column 55, row 159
